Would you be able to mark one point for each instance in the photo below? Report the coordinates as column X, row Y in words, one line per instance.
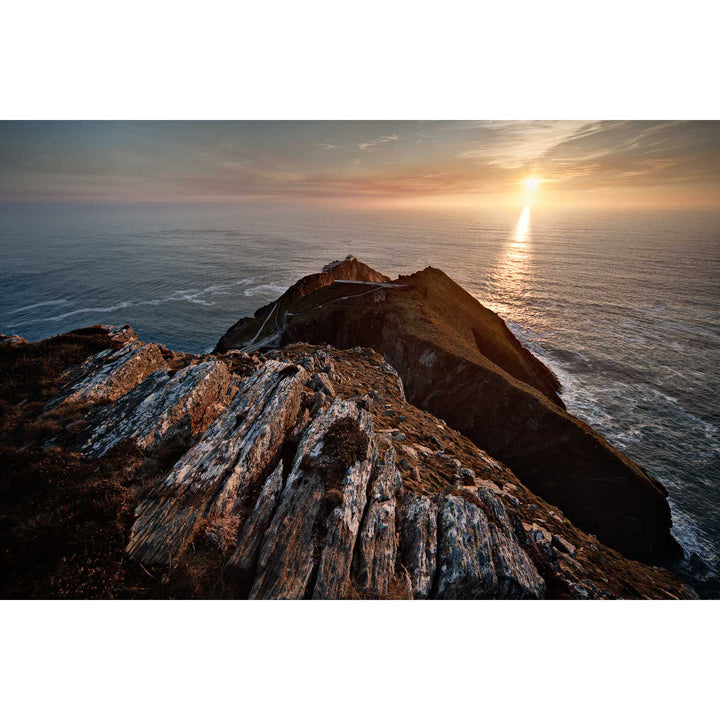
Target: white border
column 380, row 59
column 389, row 60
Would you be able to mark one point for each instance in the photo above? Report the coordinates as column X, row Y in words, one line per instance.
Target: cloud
column 649, row 152
column 515, row 143
column 579, row 160
column 372, row 145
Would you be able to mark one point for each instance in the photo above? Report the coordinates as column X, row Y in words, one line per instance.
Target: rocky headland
column 358, row 438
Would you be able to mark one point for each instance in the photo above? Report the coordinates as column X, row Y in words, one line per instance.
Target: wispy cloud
column 662, row 162
column 372, row 145
column 516, row 143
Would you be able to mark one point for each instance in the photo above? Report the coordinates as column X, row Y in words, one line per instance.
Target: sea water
column 623, row 306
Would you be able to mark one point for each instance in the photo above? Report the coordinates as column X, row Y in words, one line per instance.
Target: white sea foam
column 266, row 289
column 192, row 295
column 37, row 305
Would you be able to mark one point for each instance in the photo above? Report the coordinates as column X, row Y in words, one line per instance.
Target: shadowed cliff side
column 459, row 361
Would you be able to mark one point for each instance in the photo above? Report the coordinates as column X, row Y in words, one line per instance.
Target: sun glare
column 521, row 229
column 531, row 183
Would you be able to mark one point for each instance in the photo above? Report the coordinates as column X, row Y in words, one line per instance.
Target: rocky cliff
column 459, row 361
column 130, row 471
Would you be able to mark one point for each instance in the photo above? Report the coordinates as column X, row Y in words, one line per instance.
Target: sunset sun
column 531, row 183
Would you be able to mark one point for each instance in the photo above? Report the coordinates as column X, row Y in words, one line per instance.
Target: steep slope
column 459, row 361
column 132, row 471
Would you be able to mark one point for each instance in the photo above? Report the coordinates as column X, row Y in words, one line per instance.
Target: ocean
column 623, row 306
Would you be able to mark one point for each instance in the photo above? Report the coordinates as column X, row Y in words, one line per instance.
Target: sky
column 655, row 164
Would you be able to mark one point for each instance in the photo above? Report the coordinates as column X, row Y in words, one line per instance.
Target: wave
column 701, row 555
column 192, row 295
column 276, row 288
column 37, row 305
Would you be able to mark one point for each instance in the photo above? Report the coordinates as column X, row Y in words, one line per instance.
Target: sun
column 531, row 183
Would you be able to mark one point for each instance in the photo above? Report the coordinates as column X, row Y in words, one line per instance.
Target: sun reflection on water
column 511, row 278
column 521, row 229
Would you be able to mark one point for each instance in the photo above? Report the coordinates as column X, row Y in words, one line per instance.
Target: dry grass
column 222, row 532
column 64, row 522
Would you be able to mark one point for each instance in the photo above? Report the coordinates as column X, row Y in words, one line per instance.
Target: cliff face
column 132, row 471
column 459, row 361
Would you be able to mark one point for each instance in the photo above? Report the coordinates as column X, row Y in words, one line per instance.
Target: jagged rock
column 294, row 547
column 344, row 521
column 13, row 341
column 193, row 397
column 465, row 558
column 467, row 476
column 393, row 373
column 418, row 541
column 377, row 544
column 123, row 333
column 563, row 545
column 321, row 383
column 232, row 454
column 479, row 555
column 318, row 403
column 111, row 373
column 245, row 554
column 542, row 539
column 516, row 574
column 409, row 451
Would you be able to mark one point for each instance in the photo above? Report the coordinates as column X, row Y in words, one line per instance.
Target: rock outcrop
column 298, row 473
column 459, row 361
column 161, row 407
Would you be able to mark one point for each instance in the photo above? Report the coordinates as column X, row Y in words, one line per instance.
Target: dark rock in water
column 459, row 361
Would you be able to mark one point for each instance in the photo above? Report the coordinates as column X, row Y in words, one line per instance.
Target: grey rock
column 418, row 541
column 110, row 374
column 251, row 537
column 467, row 476
column 288, row 555
column 465, row 558
column 230, row 456
column 194, row 396
column 516, row 574
column 563, row 545
column 377, row 544
column 321, row 383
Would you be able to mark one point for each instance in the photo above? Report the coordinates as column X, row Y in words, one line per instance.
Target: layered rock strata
column 303, row 473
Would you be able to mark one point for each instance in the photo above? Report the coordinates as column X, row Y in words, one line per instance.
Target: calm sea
column 625, row 307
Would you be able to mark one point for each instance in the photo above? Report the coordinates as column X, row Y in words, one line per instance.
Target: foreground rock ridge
column 135, row 472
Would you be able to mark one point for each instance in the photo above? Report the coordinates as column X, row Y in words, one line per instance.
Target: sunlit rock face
column 459, row 361
column 298, row 473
